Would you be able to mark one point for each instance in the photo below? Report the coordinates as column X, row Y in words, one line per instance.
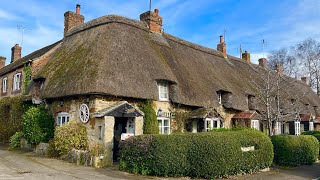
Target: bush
column 207, row 155
column 11, row 111
column 38, row 125
column 69, row 136
column 295, row 150
column 15, row 140
column 310, row 132
column 150, row 121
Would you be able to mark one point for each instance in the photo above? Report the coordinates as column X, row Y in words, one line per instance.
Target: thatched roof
column 22, row 61
column 117, row 56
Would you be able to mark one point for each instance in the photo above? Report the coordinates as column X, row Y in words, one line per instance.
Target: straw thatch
column 117, row 56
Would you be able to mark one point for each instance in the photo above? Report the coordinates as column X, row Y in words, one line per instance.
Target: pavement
column 25, row 165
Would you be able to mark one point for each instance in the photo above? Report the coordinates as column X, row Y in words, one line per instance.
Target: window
column 211, row 123
column 164, row 125
column 4, row 84
column 16, row 81
column 278, row 128
column 255, row 124
column 63, row 118
column 101, row 132
column 311, row 126
column 219, row 97
column 297, row 128
column 163, row 91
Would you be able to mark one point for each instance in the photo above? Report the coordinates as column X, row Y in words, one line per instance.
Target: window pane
column 166, row 122
column 166, row 130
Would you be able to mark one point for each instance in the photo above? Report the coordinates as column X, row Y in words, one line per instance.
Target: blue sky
column 247, row 22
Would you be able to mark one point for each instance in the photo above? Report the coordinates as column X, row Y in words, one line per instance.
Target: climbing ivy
column 11, row 111
column 150, row 122
column 27, row 71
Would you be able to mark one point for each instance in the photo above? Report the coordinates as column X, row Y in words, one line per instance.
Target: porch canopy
column 121, row 109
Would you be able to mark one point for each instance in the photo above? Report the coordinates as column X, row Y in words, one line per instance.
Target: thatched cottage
column 101, row 70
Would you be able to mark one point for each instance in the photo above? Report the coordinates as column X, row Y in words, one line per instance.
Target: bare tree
column 284, row 56
column 308, row 53
column 277, row 103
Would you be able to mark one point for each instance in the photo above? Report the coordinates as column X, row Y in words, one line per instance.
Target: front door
column 121, row 125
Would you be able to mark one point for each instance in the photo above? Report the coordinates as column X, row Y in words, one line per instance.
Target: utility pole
column 150, row 4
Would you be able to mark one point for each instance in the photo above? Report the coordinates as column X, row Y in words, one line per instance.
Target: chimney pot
column 246, row 56
column 153, row 20
column 221, row 39
column 156, row 11
column 72, row 19
column 263, row 62
column 222, row 47
column 78, row 9
column 15, row 53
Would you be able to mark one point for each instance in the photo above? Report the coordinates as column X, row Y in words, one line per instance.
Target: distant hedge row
column 206, row 155
column 295, row 150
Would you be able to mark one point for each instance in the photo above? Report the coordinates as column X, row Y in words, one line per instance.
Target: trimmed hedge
column 206, row 155
column 310, row 132
column 292, row 150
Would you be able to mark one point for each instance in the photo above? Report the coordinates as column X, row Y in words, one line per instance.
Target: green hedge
column 310, row 132
column 207, row 155
column 150, row 121
column 295, row 150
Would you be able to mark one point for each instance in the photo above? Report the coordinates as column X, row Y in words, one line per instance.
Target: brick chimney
column 246, row 57
column 263, row 62
column 304, row 80
column 15, row 53
column 2, row 61
column 279, row 69
column 153, row 20
column 222, row 47
column 72, row 19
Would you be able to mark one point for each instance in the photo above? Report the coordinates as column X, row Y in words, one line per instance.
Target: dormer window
column 163, row 88
column 4, row 84
column 293, row 101
column 251, row 102
column 17, row 82
column 219, row 93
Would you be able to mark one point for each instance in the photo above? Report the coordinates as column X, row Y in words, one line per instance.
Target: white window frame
column 63, row 118
column 255, row 124
column 162, row 127
column 209, row 123
column 297, row 130
column 311, row 126
column 16, row 81
column 163, row 89
column 278, row 128
column 219, row 97
column 4, row 84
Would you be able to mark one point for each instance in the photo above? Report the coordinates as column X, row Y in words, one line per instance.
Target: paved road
column 20, row 165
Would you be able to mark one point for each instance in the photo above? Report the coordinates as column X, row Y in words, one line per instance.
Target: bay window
column 255, row 124
column 211, row 123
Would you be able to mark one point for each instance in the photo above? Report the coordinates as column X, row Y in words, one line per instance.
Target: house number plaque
column 84, row 113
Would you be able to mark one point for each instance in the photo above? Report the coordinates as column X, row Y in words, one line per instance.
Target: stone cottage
column 101, row 70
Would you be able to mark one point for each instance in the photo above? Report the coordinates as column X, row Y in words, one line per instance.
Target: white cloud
column 4, row 15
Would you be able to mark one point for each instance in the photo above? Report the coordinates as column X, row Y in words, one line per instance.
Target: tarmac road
column 24, row 165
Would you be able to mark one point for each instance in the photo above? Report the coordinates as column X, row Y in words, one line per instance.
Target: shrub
column 69, row 136
column 150, row 122
column 38, row 125
column 208, row 155
column 310, row 132
column 295, row 150
column 15, row 140
column 11, row 111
